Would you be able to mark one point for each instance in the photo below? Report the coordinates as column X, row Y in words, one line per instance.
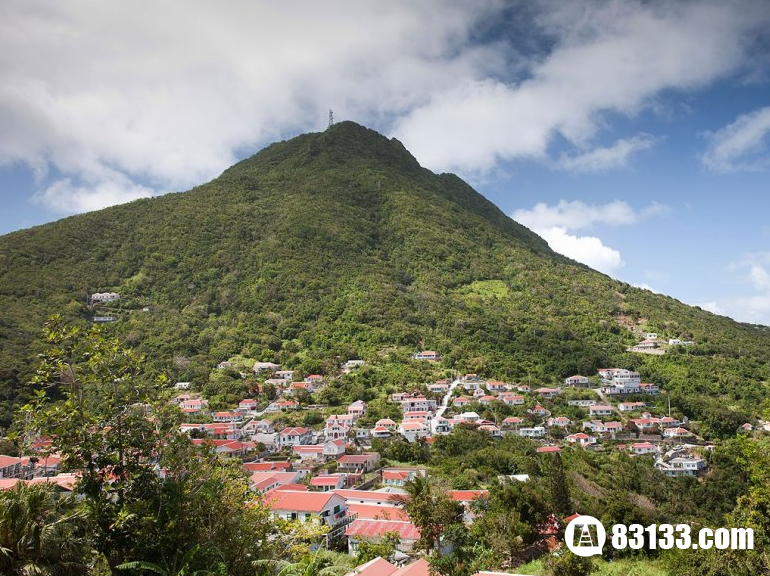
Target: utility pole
column 331, row 118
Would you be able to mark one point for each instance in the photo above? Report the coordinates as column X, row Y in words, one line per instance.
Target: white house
column 294, row 436
column 534, row 432
column 576, row 380
column 327, row 508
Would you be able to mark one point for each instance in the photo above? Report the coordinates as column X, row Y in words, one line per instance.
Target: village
column 329, row 473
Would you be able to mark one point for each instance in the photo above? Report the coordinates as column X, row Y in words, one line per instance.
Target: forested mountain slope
column 337, row 245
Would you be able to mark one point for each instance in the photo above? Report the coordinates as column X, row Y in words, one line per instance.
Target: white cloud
column 555, row 222
column 577, row 215
column 741, row 145
column 65, row 195
column 609, row 158
column 170, row 93
column 611, row 56
column 586, row 249
column 753, row 271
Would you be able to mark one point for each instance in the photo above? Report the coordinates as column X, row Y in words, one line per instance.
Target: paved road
column 447, row 397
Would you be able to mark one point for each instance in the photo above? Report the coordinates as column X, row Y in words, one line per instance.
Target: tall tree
column 431, row 510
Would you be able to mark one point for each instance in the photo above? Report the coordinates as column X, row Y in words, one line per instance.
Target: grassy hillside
column 336, row 245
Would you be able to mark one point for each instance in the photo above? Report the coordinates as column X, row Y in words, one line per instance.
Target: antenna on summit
column 331, row 118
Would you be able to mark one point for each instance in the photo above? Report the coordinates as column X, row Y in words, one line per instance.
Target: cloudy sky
column 632, row 135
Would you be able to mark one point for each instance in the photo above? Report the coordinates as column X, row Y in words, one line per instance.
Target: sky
column 634, row 136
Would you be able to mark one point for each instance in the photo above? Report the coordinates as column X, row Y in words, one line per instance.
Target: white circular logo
column 581, row 539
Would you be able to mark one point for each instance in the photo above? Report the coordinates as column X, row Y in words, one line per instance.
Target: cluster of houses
column 651, row 345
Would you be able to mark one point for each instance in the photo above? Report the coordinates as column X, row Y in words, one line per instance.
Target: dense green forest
column 338, row 245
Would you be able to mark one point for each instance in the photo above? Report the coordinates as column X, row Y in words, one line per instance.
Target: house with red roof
column 413, row 430
column 643, row 448
column 293, row 437
column 358, row 463
column 547, row 392
column 247, row 404
column 328, row 482
column 11, row 467
column 376, row 530
column 327, row 508
column 548, row 449
column 381, row 567
column 582, row 439
column 400, row 476
column 576, row 380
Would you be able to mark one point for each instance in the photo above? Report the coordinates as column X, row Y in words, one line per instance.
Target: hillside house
column 681, row 466
column 285, row 375
column 376, row 530
column 547, row 392
column 294, row 437
column 358, row 463
column 428, row 355
column 631, row 406
column 533, row 432
column 559, row 422
column 581, row 439
column 600, row 410
column 247, row 405
column 642, row 448
column 413, row 430
column 419, row 404
column 328, row 482
column 264, row 367
column 327, row 508
column 357, row 409
column 400, row 476
column 511, row 399
column 461, row 401
column 577, row 381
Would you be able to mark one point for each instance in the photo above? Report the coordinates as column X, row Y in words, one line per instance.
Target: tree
column 431, row 510
column 558, row 487
column 149, row 494
column 385, row 547
column 40, row 533
column 568, row 564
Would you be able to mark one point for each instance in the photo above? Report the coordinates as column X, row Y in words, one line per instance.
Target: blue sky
column 632, row 135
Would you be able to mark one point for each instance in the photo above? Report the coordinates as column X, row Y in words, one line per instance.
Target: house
column 400, row 476
column 226, row 417
column 467, row 498
column 631, row 406
column 380, row 432
column 285, row 375
column 548, row 449
column 224, row 364
column 327, row 508
column 352, row 364
column 328, row 482
column 372, row 498
column 256, row 426
column 357, row 409
column 559, row 422
column 103, row 297
column 468, row 417
column 547, row 392
column 512, row 422
column 472, row 385
column 418, row 415
column 581, row 403
column 648, row 388
column 539, row 411
column 270, row 465
column 413, row 430
column 645, row 345
column 193, row 405
column 643, row 448
column 669, row 422
column 440, row 425
column 496, row 386
column 11, row 467
column 294, row 437
column 511, row 399
column 386, row 423
column 263, row 367
column 461, row 401
column 582, row 439
column 419, row 404
column 534, row 432
column 247, row 404
column 438, row 388
column 376, row 530
column 600, row 410
column 681, row 466
column 314, row 379
column 429, row 355
column 308, row 451
column 493, row 430
column 381, row 567
column 603, row 427
column 358, row 463
column 182, row 385
column 676, row 433
column 577, row 380
column 486, row 400
column 286, row 405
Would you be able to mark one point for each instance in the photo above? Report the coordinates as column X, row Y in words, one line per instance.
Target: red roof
column 356, row 458
column 299, row 501
column 467, row 495
column 546, row 449
column 325, row 480
column 379, row 528
column 375, row 512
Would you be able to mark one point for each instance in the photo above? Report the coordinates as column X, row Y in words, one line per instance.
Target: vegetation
column 337, row 245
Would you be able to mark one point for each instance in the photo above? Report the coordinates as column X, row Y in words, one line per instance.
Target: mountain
column 338, row 245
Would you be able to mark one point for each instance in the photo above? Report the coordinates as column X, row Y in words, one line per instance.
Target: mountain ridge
column 338, row 243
